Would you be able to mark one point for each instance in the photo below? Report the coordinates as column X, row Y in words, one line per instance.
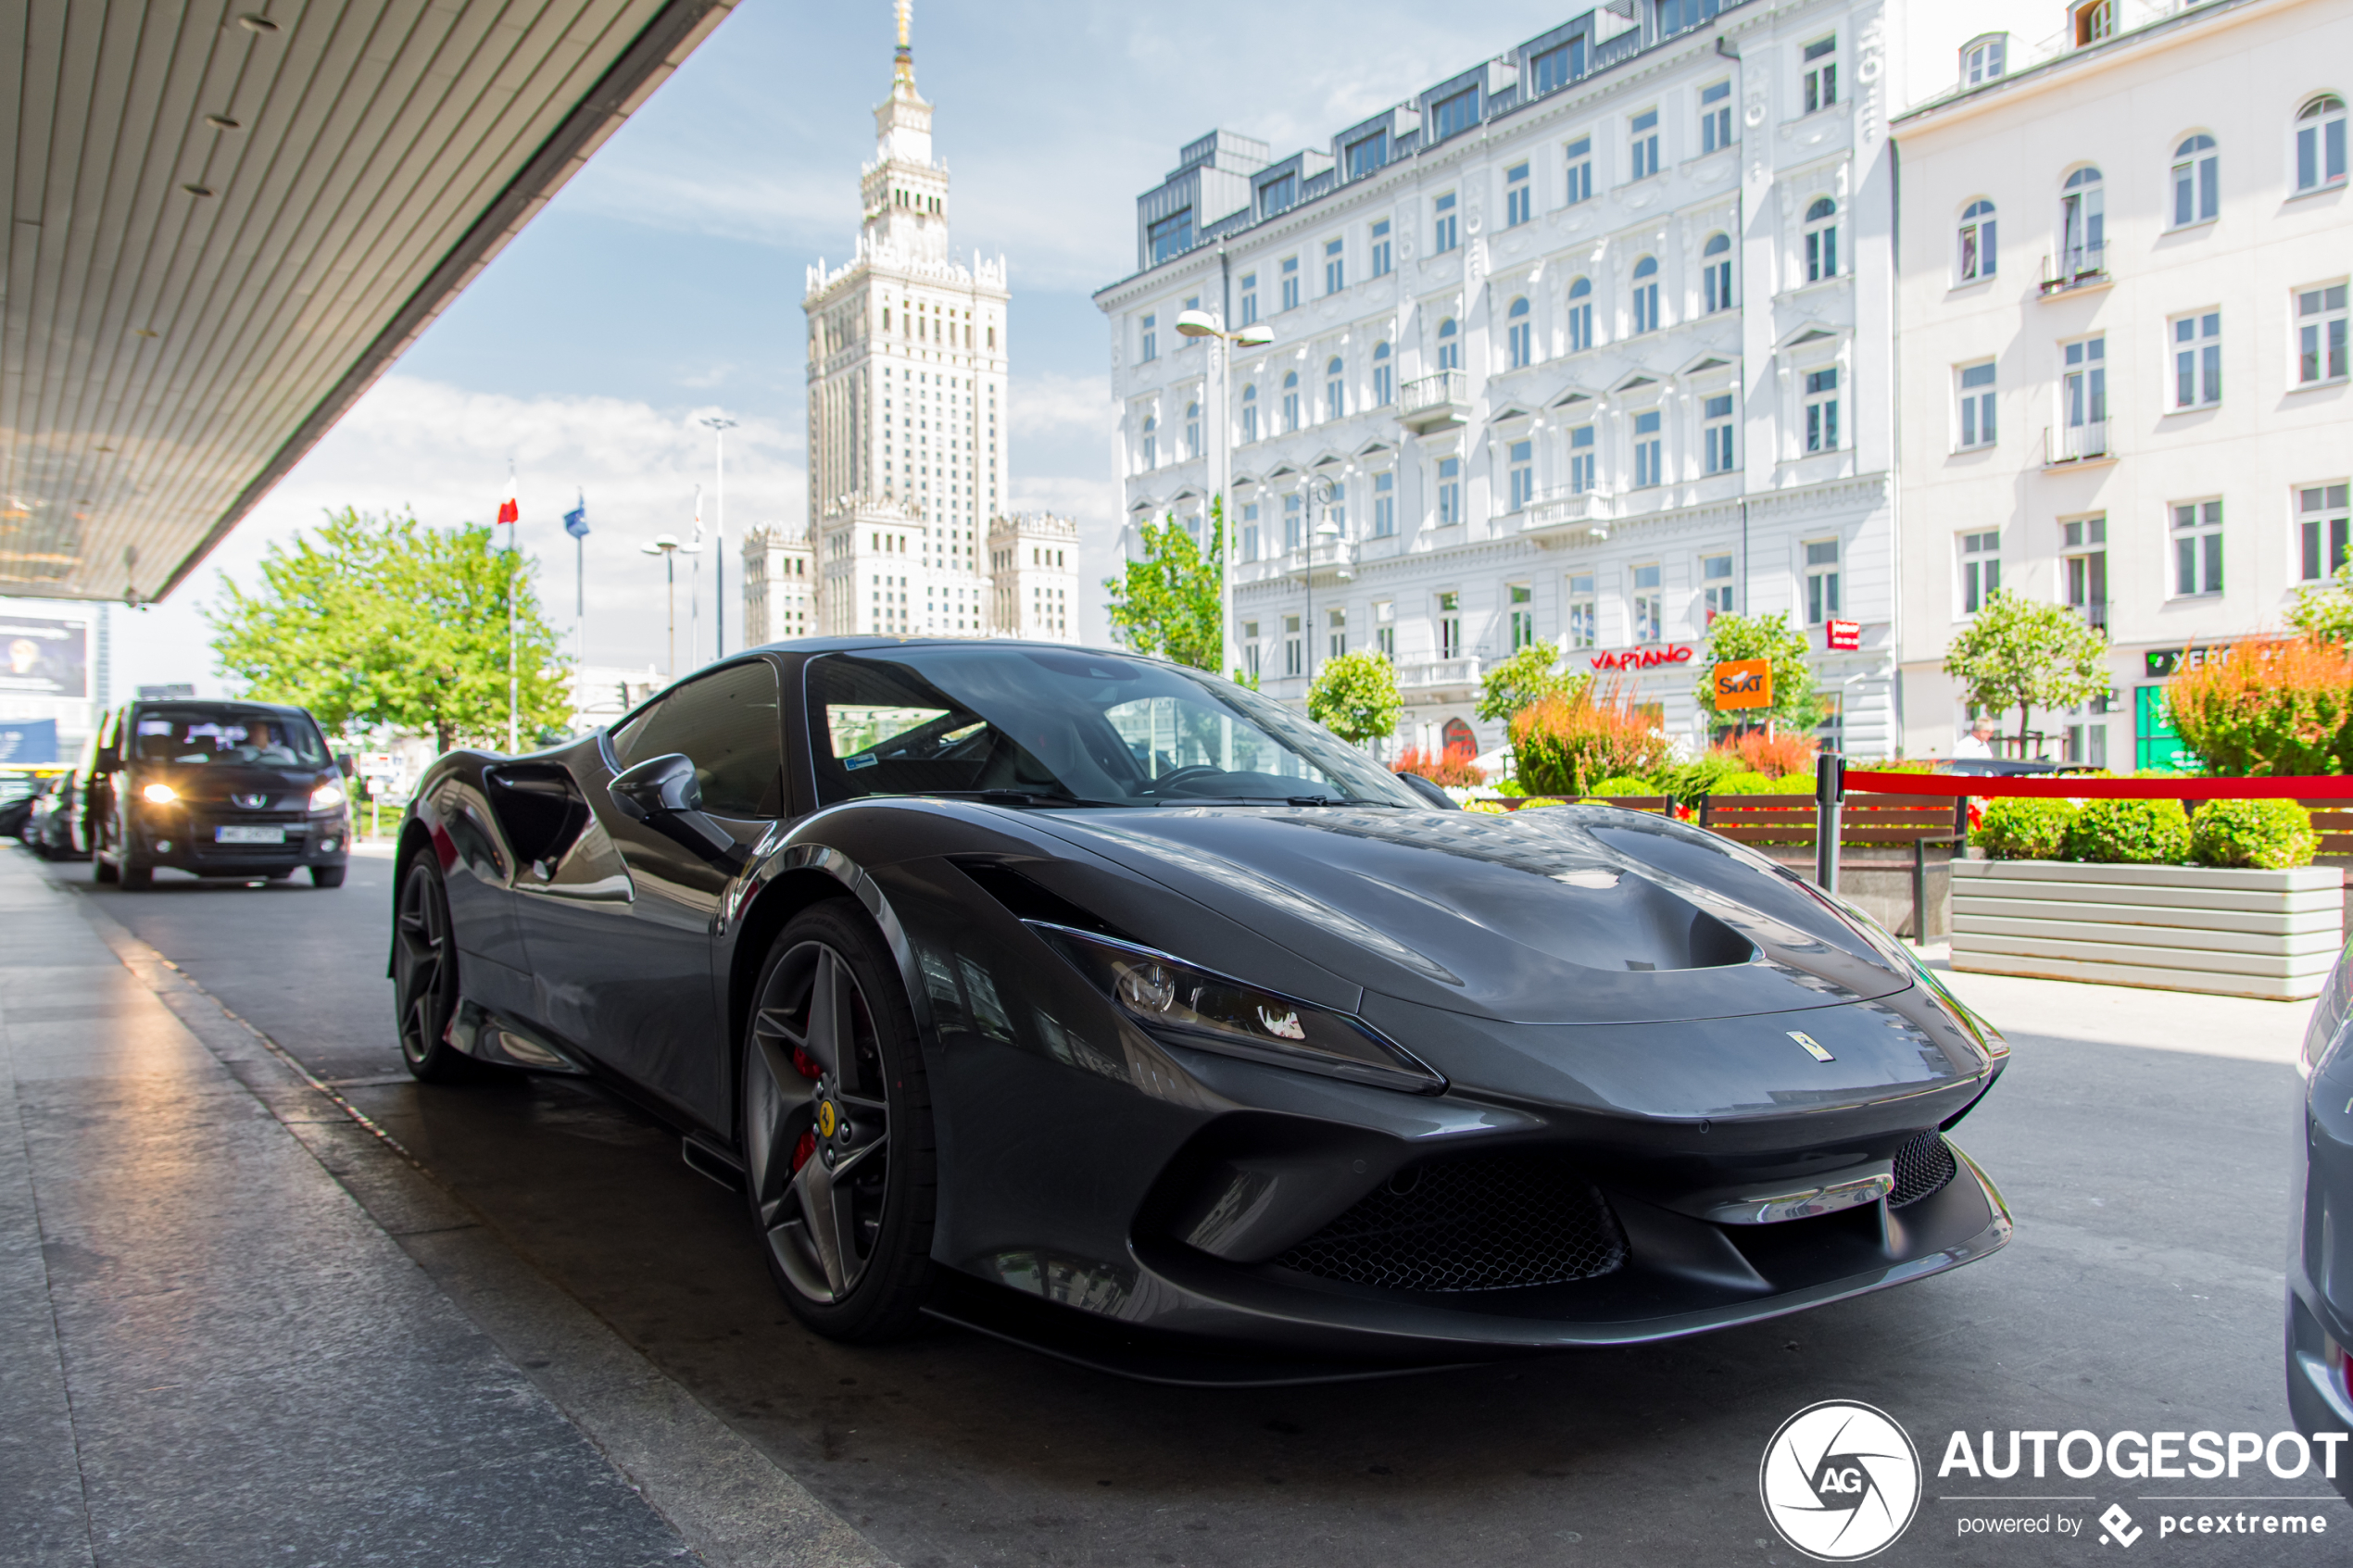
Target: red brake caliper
column 808, row 1144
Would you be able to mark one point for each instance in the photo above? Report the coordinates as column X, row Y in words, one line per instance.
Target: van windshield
column 226, row 735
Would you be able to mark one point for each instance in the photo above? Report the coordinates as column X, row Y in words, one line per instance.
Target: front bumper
column 187, row 841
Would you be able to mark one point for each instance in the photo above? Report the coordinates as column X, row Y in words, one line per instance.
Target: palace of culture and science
column 908, row 431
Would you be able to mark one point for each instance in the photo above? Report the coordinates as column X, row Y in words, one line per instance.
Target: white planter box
column 2174, row 928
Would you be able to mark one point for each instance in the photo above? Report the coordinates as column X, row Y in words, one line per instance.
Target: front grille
column 1484, row 1223
column 209, row 819
column 1922, row 1167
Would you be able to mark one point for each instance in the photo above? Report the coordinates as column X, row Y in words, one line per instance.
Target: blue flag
column 576, row 520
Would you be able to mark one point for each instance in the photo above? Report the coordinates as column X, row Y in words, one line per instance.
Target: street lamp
column 667, row 546
column 1200, row 324
column 719, row 425
column 1319, row 491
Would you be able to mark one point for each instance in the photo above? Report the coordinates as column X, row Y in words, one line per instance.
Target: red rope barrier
column 2063, row 786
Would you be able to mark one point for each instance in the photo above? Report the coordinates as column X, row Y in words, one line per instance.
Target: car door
column 631, row 979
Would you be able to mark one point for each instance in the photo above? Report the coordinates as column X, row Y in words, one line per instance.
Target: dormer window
column 1984, row 59
column 2095, row 22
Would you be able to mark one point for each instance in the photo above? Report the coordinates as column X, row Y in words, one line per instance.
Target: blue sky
column 664, row 283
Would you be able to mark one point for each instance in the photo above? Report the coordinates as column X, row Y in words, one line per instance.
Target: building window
column 1977, row 257
column 1584, row 611
column 2321, row 530
column 1385, row 628
column 1335, row 266
column 1384, row 377
column 2319, row 334
column 1715, row 273
column 1522, row 465
column 1450, row 345
column 1450, row 492
column 1821, row 240
column 2083, row 224
column 2197, row 547
column 1716, row 432
column 2197, row 181
column 1522, row 624
column 1151, row 442
column 1249, row 412
column 1249, row 647
column 2094, row 20
column 1336, row 624
column 2319, row 144
column 1646, row 294
column 1518, row 196
column 1171, row 236
column 1581, row 459
column 1449, row 625
column 1384, row 504
column 1822, row 410
column 1249, row 298
column 1715, row 116
column 1519, row 336
column 1642, row 132
column 1984, row 59
column 1821, row 66
column 1649, row 449
column 1249, row 533
column 1821, row 581
column 1367, row 154
column 1335, row 389
column 1650, row 606
column 1289, row 271
column 2084, row 568
column 1581, row 315
column 1558, row 67
column 1381, row 260
column 1290, row 401
column 2084, row 395
column 1192, row 430
column 1295, row 656
column 1446, row 235
column 1716, row 587
column 1293, row 517
column 1976, row 404
column 1981, row 570
column 1151, row 338
column 1580, row 171
column 2197, row 359
column 1278, row 194
column 1450, row 116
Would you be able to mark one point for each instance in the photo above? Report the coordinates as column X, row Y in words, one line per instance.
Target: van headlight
column 327, row 797
column 159, row 795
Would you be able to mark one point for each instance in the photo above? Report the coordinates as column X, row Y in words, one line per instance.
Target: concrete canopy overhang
column 228, row 218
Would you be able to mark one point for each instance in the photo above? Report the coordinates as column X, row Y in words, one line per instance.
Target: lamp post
column 666, row 546
column 720, row 425
column 1202, row 324
column 1319, row 491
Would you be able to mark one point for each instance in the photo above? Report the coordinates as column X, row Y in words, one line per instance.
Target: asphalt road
column 2142, row 1292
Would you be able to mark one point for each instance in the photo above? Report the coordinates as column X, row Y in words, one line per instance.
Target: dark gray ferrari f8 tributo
column 1111, row 1007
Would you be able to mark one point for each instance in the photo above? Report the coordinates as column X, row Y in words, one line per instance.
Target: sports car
column 1111, row 1007
column 2320, row 1274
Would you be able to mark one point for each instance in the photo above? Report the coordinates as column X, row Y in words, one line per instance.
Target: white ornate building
column 1592, row 341
column 907, row 398
column 780, row 591
column 1033, row 567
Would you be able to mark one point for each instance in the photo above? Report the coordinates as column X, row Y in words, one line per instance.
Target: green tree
column 2025, row 654
column 2325, row 609
column 1354, row 696
column 1524, row 680
column 1171, row 602
column 376, row 621
column 1761, row 636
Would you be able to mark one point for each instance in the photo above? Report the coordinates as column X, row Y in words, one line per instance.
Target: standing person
column 1978, row 742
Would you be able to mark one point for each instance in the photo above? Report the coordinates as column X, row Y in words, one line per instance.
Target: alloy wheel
column 424, row 980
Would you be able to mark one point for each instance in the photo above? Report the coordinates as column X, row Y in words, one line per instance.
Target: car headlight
column 1187, row 1006
column 326, row 797
column 159, row 795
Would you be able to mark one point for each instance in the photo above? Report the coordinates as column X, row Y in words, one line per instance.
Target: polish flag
column 509, row 511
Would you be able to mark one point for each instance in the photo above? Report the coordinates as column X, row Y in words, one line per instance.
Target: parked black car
column 237, row 789
column 15, row 817
column 2319, row 1276
column 1100, row 1002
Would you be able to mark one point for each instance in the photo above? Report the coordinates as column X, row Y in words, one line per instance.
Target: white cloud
column 1058, row 406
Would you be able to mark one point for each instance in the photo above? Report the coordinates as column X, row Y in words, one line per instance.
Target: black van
column 234, row 789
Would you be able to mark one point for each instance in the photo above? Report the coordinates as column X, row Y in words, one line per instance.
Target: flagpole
column 720, row 425
column 514, row 518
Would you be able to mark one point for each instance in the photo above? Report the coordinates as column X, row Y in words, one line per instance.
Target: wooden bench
column 2332, row 820
column 1891, row 820
column 1656, row 804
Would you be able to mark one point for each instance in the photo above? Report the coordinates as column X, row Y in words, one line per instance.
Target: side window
column 728, row 722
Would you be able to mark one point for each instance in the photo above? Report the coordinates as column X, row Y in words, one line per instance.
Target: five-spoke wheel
column 424, row 976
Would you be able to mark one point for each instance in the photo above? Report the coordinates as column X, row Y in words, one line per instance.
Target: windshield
column 1095, row 728
column 226, row 735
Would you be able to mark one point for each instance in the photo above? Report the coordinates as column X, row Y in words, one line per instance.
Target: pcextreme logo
column 1839, row 1481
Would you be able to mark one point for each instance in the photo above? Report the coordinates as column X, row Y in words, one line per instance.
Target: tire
column 424, row 978
column 134, row 877
column 849, row 1245
column 100, row 870
column 326, row 876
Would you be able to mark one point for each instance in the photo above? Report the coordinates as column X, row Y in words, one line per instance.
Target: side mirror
column 346, row 764
column 658, row 788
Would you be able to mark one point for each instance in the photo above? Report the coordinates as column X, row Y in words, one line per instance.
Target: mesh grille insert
column 1486, row 1223
column 1922, row 1167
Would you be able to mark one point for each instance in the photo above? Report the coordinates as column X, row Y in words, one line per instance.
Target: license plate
column 248, row 835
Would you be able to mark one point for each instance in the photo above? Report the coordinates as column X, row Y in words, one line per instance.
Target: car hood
column 1564, row 915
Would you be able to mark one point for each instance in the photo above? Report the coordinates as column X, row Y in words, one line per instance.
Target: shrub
column 1541, row 800
column 1773, row 756
column 2021, row 828
column 2279, row 708
column 2269, row 834
column 1567, row 743
column 1743, row 783
column 2132, row 832
column 1450, row 771
column 1625, row 783
column 1688, row 781
column 1492, row 808
column 1511, row 788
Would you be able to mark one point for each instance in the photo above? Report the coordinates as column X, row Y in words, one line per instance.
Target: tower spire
column 904, row 65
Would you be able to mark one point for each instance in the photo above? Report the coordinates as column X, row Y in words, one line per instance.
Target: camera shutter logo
column 1839, row 1481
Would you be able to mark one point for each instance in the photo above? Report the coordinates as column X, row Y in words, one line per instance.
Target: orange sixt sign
column 1743, row 683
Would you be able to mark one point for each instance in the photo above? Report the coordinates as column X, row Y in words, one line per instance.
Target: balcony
column 2078, row 267
column 1439, row 402
column 2086, row 443
column 1565, row 513
column 2094, row 612
column 1439, row 674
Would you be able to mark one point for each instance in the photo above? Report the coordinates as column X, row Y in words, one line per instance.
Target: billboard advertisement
column 44, row 658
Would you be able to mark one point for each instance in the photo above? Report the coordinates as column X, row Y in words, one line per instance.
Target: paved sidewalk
column 212, row 1352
